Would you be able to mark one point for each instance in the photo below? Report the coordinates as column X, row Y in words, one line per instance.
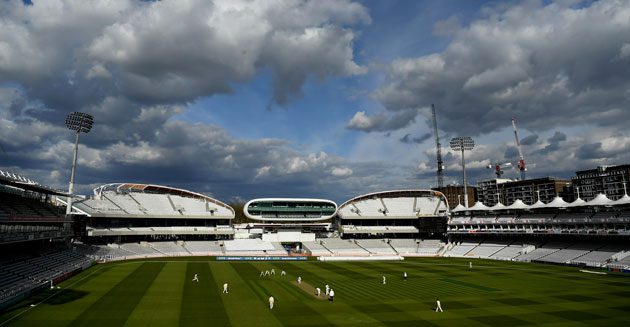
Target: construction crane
column 498, row 168
column 440, row 163
column 521, row 161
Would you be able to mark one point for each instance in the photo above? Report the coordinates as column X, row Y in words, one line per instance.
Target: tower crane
column 498, row 168
column 521, row 161
column 440, row 163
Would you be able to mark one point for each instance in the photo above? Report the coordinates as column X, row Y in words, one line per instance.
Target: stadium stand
column 26, row 274
column 253, row 247
column 204, row 247
column 170, row 249
column 509, row 252
column 487, row 249
column 343, row 247
column 542, row 251
column 376, row 246
column 316, row 249
column 460, row 249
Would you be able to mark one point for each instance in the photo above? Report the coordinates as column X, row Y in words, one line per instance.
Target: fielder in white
column 470, row 264
column 439, row 306
column 273, row 272
column 283, row 273
column 327, row 289
column 405, row 275
column 299, row 279
column 262, row 273
column 271, row 301
column 384, row 280
column 332, row 295
column 196, row 279
column 318, row 292
column 225, row 288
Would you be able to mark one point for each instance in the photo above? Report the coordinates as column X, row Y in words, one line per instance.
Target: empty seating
column 343, row 247
column 376, row 246
column 315, row 248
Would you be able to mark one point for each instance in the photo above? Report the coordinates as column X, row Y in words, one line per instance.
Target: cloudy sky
column 331, row 99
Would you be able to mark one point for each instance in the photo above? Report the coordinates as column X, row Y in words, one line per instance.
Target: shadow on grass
column 66, row 296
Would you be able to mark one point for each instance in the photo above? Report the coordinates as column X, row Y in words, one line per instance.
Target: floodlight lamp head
column 462, row 143
column 79, row 122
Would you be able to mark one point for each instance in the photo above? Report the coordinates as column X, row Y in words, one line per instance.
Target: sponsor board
column 260, row 258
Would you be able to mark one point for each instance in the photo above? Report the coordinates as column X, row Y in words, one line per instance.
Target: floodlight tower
column 80, row 123
column 463, row 143
column 438, row 147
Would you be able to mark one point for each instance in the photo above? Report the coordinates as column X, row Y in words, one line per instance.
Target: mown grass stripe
column 201, row 301
column 113, row 308
column 161, row 302
column 291, row 307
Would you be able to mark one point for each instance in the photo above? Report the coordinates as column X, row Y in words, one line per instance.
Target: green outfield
column 162, row 293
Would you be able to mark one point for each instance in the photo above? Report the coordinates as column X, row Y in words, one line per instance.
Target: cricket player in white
column 332, row 295
column 470, row 264
column 384, row 280
column 266, row 272
column 439, row 306
column 283, row 273
column 273, row 272
column 225, row 288
column 262, row 273
column 405, row 275
column 299, row 279
column 318, row 292
column 327, row 289
column 196, row 279
column 271, row 300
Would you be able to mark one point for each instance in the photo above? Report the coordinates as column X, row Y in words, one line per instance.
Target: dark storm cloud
column 590, row 151
column 529, row 140
column 554, row 142
column 528, row 61
column 135, row 67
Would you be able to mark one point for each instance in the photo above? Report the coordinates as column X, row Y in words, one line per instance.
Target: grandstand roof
column 459, row 208
column 396, row 193
column 149, row 188
column 498, row 206
column 599, row 200
column 577, row 203
column 15, row 180
column 537, row 205
column 557, row 202
column 395, row 204
column 518, row 204
column 625, row 199
column 479, row 206
column 129, row 203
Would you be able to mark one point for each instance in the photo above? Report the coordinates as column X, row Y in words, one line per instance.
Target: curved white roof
column 518, row 204
column 599, row 200
column 132, row 200
column 557, row 202
column 395, row 204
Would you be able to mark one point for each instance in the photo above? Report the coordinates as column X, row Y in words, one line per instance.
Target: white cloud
column 528, row 61
column 341, row 171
